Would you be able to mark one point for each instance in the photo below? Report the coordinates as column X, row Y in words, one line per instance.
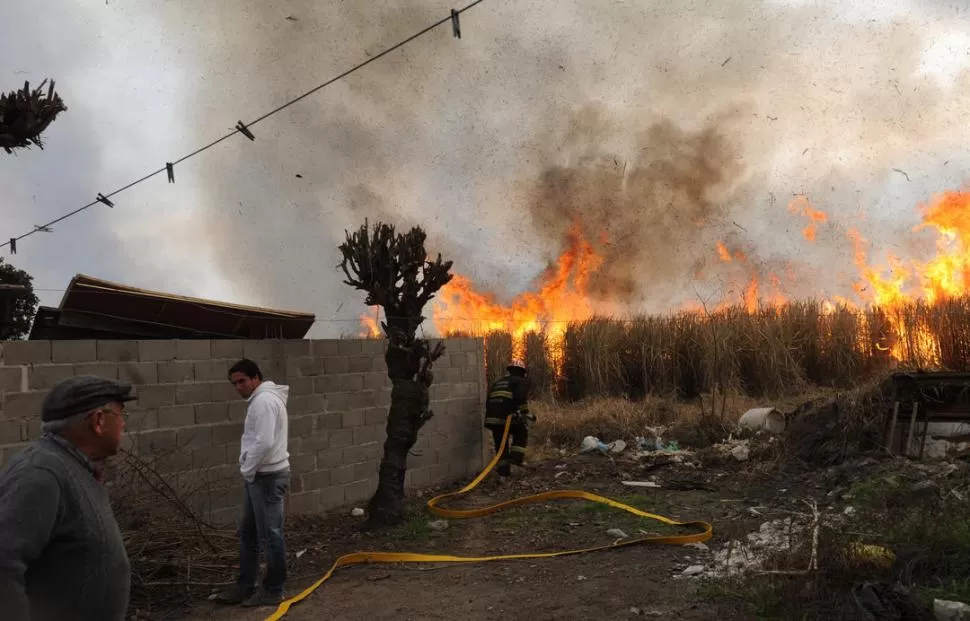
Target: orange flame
column 751, row 296
column 948, row 274
column 371, row 325
column 561, row 294
column 945, row 276
column 561, row 297
column 800, row 204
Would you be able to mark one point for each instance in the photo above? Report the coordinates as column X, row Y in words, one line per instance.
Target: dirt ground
column 640, row 581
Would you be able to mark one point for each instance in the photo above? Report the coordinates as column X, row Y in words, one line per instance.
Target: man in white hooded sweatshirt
column 265, row 468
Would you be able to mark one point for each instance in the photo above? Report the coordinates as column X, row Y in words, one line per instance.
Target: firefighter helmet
column 516, row 363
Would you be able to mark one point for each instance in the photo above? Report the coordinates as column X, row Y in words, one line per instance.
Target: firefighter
column 509, row 397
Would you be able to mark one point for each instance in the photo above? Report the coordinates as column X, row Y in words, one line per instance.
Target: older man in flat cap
column 61, row 552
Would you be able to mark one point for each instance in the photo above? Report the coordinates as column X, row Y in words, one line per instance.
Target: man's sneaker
column 263, row 598
column 234, row 595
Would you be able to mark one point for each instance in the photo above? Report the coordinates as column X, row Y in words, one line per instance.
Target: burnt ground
column 640, row 581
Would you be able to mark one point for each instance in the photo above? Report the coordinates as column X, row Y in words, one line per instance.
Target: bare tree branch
column 26, row 113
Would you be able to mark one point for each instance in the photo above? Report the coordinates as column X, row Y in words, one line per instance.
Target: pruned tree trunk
column 409, row 368
column 395, row 273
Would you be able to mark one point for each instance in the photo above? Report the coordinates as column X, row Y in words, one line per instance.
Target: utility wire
column 243, row 128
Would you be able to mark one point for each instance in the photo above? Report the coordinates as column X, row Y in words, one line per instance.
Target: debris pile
column 771, row 538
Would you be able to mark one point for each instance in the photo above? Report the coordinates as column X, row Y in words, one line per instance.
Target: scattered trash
column 438, row 525
column 634, row 611
column 763, row 419
column 653, row 442
column 741, row 452
column 301, row 553
column 616, row 532
column 357, row 512
column 641, row 484
column 561, row 466
column 693, row 570
column 946, row 610
column 592, row 443
column 559, row 474
column 697, row 546
column 580, row 578
column 849, row 511
column 645, row 445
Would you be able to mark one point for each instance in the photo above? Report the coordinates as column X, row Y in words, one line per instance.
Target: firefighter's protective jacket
column 506, row 397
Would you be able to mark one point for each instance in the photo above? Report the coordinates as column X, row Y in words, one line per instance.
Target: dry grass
column 564, row 424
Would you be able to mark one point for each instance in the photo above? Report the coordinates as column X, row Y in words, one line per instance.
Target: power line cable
column 242, row 128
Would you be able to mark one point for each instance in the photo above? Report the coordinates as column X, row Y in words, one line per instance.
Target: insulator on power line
column 170, row 169
column 104, row 199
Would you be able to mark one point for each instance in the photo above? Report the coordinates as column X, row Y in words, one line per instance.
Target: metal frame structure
column 925, row 397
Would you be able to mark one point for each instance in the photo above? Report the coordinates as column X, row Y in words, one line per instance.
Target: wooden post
column 926, row 430
column 892, row 428
column 912, row 428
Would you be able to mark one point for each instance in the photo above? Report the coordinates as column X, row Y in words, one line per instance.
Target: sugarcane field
column 556, row 310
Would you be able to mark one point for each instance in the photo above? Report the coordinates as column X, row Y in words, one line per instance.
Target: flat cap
column 82, row 393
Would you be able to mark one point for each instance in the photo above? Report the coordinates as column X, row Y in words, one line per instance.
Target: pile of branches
column 26, row 113
column 177, row 557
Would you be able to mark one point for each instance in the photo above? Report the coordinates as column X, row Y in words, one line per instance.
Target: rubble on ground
column 772, row 537
column 945, row 610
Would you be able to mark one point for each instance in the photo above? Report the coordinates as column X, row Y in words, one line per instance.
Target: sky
column 462, row 137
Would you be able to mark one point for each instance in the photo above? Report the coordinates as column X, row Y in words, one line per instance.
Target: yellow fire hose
column 357, row 558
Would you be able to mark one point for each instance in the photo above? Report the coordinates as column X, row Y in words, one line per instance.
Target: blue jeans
column 261, row 526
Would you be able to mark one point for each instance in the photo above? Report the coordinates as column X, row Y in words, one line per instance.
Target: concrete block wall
column 187, row 420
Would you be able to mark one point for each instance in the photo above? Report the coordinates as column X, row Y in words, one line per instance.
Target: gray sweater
column 61, row 553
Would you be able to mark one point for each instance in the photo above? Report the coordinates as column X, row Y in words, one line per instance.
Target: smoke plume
column 644, row 210
column 662, row 128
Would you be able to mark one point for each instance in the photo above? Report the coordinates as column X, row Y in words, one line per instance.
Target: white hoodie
column 263, row 446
